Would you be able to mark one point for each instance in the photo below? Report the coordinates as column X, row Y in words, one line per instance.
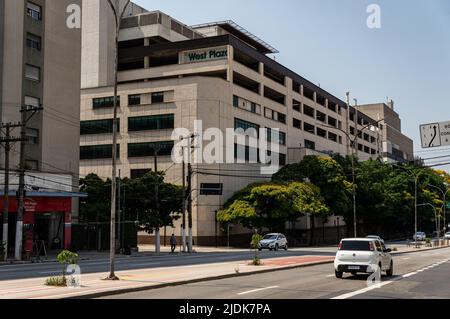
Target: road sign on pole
column 435, row 134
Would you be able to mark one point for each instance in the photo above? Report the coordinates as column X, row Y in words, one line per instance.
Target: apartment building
column 396, row 147
column 40, row 66
column 171, row 75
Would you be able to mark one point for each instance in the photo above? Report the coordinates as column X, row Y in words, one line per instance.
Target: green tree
column 141, row 202
column 97, row 206
column 271, row 205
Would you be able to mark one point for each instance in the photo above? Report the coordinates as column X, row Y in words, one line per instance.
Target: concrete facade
column 396, row 146
column 169, row 75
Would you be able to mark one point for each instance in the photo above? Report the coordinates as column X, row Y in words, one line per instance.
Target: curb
column 193, row 281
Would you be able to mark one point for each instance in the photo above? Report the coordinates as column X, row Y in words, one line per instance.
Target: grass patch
column 59, row 281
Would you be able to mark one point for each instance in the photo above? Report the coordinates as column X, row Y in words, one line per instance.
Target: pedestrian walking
column 173, row 243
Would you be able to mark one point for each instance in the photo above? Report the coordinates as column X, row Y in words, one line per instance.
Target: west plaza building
column 172, row 75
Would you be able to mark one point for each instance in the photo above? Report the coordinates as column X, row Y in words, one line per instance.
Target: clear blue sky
column 329, row 43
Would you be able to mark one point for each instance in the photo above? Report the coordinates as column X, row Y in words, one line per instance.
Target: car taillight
column 371, row 247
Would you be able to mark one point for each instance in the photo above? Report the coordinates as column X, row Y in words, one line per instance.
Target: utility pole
column 119, row 232
column 7, row 140
column 355, row 153
column 190, row 173
column 112, row 253
column 21, row 192
column 157, row 232
column 183, row 224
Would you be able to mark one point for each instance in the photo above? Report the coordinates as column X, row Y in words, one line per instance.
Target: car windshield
column 270, row 237
column 355, row 245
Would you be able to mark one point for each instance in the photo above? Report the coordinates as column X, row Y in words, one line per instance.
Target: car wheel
column 276, row 247
column 339, row 274
column 286, row 247
column 260, row 249
column 390, row 272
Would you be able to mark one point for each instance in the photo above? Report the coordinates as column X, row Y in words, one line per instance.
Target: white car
column 273, row 242
column 420, row 236
column 447, row 235
column 362, row 255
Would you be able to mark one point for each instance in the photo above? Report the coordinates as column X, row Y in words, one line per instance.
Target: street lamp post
column 118, row 20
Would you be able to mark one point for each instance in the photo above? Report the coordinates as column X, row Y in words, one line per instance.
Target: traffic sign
column 435, row 134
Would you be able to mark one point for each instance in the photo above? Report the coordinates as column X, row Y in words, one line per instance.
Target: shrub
column 59, row 281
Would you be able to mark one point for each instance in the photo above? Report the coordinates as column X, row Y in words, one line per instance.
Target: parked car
column 273, row 242
column 362, row 255
column 447, row 235
column 420, row 236
column 376, row 237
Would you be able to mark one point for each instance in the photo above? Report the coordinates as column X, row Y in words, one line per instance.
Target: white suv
column 273, row 242
column 363, row 255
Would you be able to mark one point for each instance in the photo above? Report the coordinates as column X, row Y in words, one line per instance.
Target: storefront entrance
column 49, row 229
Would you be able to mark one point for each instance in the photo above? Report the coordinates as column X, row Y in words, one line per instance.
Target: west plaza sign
column 203, row 55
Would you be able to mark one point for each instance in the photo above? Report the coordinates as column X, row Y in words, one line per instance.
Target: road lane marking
column 376, row 286
column 329, row 276
column 256, row 290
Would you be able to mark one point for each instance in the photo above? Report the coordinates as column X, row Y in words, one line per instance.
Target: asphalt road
column 417, row 275
column 38, row 270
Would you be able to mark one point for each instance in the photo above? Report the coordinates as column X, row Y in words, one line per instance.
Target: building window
column 32, row 136
column 322, row 117
column 32, row 73
column 158, row 97
column 150, row 149
column 276, row 136
column 321, row 133
column 98, row 127
column 246, row 105
column 235, row 101
column 34, row 11
column 241, row 124
column 134, row 99
column 297, row 106
column 274, row 115
column 32, row 101
column 310, row 145
column 150, row 123
column 309, row 111
column 332, row 137
column 139, row 173
column 104, row 102
column 309, row 128
column 209, row 189
column 97, row 152
column 297, row 124
column 33, row 42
